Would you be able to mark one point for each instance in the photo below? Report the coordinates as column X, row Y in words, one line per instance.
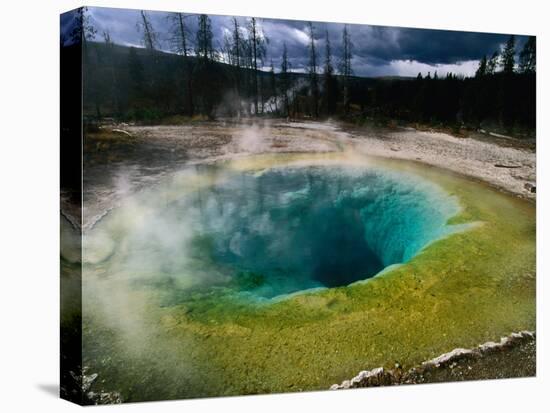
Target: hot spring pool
column 278, row 231
column 294, row 272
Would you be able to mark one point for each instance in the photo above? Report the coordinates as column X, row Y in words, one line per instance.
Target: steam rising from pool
column 266, row 234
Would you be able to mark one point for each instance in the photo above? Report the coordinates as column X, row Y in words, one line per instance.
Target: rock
column 501, row 165
column 367, row 378
column 122, row 131
column 104, row 397
column 420, row 374
column 447, row 357
column 490, row 346
column 530, row 187
column 87, row 381
column 95, row 397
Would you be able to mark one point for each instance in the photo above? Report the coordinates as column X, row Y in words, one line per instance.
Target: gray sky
column 377, row 50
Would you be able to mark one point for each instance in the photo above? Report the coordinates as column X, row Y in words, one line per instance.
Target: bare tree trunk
column 148, row 36
column 255, row 66
column 314, row 86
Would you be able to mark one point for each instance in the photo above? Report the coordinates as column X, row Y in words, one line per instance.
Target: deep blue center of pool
column 292, row 229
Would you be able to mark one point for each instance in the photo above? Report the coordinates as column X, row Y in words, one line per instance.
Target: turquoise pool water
column 285, row 230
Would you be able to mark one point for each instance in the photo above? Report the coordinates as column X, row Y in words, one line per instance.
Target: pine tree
column 236, row 48
column 203, row 47
column 179, row 34
column 254, row 44
column 285, row 80
column 528, row 56
column 206, row 78
column 345, row 65
column 257, row 52
column 83, row 31
column 328, row 79
column 149, row 34
column 180, row 44
column 312, row 70
column 482, row 68
column 236, row 44
column 492, row 64
column 507, row 59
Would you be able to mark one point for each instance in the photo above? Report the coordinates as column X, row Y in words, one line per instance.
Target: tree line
column 501, row 95
column 236, row 78
column 197, row 78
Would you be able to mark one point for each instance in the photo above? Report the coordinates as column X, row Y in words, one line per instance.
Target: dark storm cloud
column 377, row 50
column 439, row 46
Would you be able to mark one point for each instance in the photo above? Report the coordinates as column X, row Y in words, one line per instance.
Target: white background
column 29, row 173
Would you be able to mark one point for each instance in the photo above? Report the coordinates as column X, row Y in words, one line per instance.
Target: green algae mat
column 280, row 273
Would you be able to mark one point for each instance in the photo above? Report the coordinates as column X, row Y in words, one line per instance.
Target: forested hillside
column 150, row 85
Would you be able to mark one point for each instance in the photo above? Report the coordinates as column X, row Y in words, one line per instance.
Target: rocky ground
column 508, row 164
column 514, row 356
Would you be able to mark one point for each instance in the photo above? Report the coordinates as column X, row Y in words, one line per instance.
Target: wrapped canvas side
column 71, row 374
